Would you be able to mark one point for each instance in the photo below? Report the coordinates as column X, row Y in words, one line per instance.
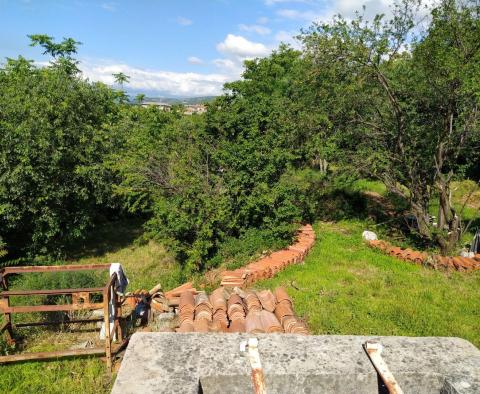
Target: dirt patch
column 366, row 272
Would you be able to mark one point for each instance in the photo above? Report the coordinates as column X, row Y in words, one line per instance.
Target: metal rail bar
column 51, row 355
column 258, row 377
column 51, row 308
column 81, row 301
column 374, row 351
column 107, row 293
column 50, row 292
column 57, row 322
column 53, row 268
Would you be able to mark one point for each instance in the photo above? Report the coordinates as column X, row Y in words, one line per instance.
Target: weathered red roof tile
column 269, row 322
column 267, row 299
column 253, row 323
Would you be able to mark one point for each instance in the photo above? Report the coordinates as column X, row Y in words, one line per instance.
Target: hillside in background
column 179, row 100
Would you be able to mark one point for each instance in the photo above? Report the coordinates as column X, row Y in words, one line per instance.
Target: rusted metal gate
column 81, row 300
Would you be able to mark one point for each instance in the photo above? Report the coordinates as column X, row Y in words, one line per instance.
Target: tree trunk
column 420, row 212
column 449, row 229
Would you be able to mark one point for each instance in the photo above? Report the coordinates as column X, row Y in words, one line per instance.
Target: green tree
column 402, row 115
column 208, row 178
column 62, row 52
column 55, row 130
column 121, row 78
column 140, row 98
column 260, row 131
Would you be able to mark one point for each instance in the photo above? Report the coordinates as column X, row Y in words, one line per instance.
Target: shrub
column 55, row 134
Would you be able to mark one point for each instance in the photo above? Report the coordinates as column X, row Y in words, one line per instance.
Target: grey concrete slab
column 212, row 363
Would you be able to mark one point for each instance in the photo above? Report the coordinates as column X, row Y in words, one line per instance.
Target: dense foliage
column 55, row 134
column 3, row 252
column 205, row 180
column 380, row 99
column 411, row 119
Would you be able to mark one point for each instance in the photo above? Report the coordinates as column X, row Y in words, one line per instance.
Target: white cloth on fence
column 122, row 280
column 120, row 285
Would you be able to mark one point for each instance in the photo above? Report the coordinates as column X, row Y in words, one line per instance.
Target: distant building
column 195, row 109
column 162, row 106
column 189, row 109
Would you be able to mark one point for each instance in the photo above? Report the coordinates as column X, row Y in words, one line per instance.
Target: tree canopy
column 55, row 135
column 384, row 99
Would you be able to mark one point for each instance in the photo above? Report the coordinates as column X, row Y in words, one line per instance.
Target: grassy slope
column 145, row 264
column 347, row 288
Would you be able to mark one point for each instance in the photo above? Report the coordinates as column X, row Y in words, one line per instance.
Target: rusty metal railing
column 81, row 300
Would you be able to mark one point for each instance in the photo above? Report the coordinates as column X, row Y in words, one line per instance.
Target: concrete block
column 212, row 363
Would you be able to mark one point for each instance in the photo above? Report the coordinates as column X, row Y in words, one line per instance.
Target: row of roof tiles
column 227, row 310
column 457, row 263
column 230, row 309
column 268, row 266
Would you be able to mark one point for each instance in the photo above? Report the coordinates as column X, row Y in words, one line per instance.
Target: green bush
column 206, row 180
column 55, row 135
column 236, row 252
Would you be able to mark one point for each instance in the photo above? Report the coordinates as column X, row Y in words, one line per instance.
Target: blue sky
column 171, row 48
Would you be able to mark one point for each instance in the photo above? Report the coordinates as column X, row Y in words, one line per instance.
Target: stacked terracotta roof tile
column 186, row 312
column 435, row 261
column 268, row 266
column 238, row 311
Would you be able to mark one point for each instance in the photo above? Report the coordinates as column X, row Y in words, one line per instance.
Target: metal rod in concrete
column 374, row 351
column 258, row 377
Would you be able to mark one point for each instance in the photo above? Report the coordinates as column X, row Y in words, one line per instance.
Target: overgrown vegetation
column 382, row 99
column 368, row 124
column 411, row 119
column 55, row 134
column 371, row 124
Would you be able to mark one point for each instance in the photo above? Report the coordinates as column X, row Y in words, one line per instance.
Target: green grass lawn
column 345, row 287
column 82, row 376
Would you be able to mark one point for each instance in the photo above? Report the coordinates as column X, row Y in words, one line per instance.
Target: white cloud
column 232, row 68
column 240, row 47
column 111, row 6
column 237, row 49
column 262, row 30
column 346, row 8
column 182, row 21
column 299, row 15
column 164, row 82
column 195, row 60
column 263, row 20
column 288, row 37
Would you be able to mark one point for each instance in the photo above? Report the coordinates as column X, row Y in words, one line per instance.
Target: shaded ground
column 108, row 238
